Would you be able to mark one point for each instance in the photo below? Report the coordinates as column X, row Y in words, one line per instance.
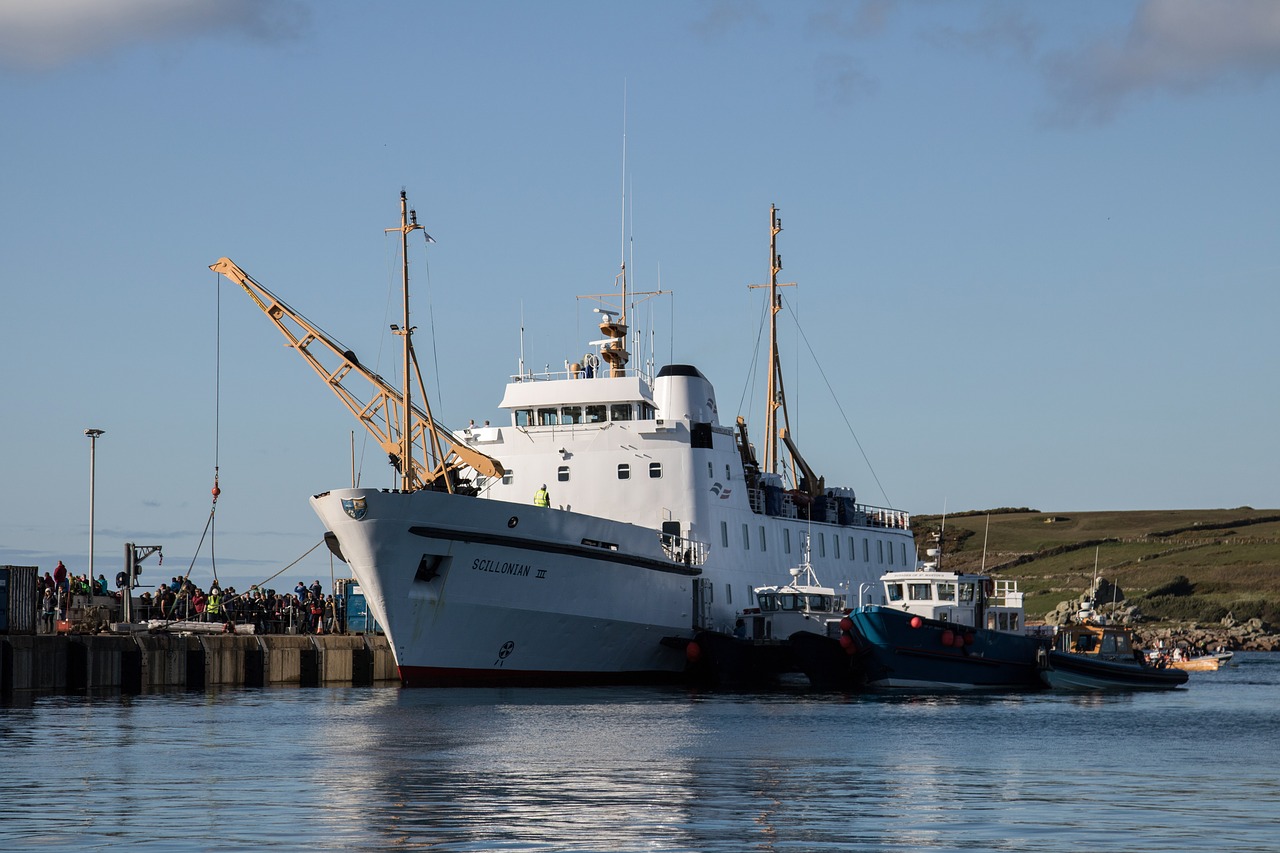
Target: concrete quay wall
column 141, row 663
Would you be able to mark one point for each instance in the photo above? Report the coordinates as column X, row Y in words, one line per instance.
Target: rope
column 261, row 586
column 217, row 426
column 823, row 374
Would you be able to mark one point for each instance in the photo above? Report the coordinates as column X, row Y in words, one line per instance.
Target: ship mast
column 776, row 397
column 409, row 477
column 614, row 347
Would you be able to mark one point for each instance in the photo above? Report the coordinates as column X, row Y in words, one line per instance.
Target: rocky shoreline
column 1252, row 635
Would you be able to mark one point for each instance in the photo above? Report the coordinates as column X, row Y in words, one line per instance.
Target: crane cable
column 217, row 420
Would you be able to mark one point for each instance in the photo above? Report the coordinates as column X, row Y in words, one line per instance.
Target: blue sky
column 1036, row 244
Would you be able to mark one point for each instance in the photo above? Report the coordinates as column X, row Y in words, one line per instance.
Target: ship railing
column 689, row 552
column 601, row 372
column 831, row 510
column 879, row 516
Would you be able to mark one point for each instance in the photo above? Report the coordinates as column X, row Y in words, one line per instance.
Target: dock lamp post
column 93, row 455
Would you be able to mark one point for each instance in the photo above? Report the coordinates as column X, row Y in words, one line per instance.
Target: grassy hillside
column 1229, row 558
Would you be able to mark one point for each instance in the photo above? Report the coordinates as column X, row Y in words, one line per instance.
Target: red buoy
column 968, row 639
column 958, row 642
column 947, row 637
column 916, row 621
column 846, row 624
column 693, row 652
column 848, row 643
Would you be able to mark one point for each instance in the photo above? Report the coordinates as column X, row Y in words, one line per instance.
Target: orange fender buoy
column 693, row 652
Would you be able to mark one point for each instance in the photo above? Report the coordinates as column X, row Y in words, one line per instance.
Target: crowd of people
column 307, row 609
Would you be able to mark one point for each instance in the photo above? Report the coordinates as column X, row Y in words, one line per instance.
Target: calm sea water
column 652, row 769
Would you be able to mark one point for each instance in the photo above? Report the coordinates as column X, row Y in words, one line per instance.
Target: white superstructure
column 656, row 528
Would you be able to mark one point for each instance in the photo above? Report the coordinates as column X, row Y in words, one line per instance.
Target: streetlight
column 93, row 454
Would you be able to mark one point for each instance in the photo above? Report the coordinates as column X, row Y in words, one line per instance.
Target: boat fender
column 693, row 652
column 916, row 622
column 848, row 643
column 968, row 639
column 846, row 624
column 947, row 637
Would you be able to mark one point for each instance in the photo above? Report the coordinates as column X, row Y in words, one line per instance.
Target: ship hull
column 485, row 592
column 1069, row 671
column 901, row 656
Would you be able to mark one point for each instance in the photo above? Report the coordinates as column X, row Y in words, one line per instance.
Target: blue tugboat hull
column 907, row 652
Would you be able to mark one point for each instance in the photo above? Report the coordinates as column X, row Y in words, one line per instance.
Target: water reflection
column 644, row 769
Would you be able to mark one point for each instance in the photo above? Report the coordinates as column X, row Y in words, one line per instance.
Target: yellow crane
column 400, row 427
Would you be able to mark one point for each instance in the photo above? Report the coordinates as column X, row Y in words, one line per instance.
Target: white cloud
column 1177, row 46
column 46, row 34
column 719, row 17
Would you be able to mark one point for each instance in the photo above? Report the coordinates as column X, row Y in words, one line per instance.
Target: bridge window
column 822, row 544
column 903, row 546
column 891, row 553
column 866, row 550
column 647, row 412
column 919, row 592
column 762, row 542
column 655, row 470
column 624, row 471
column 880, row 549
column 894, row 591
column 835, row 540
column 508, row 476
column 571, row 415
column 746, row 537
column 853, row 552
column 786, row 539
column 946, row 592
column 595, row 414
column 620, row 412
column 548, row 417
column 524, row 417
column 724, row 534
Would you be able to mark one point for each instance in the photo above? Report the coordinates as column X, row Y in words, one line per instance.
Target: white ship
column 661, row 521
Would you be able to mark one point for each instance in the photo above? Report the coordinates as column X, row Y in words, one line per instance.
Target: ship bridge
column 561, row 399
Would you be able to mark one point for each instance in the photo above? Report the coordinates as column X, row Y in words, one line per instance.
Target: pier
column 143, row 662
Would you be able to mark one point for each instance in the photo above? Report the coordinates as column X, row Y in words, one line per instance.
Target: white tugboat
column 659, row 522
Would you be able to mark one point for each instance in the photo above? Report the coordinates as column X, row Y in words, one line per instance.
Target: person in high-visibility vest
column 542, row 497
column 213, row 606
